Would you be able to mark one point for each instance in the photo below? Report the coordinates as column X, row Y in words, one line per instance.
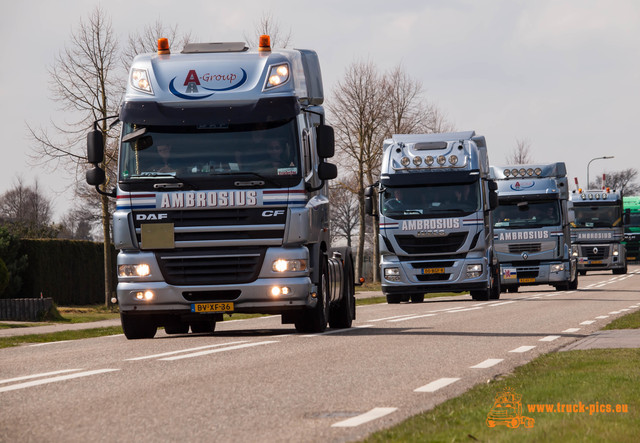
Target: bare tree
column 623, row 181
column 344, row 210
column 84, row 80
column 270, row 26
column 147, row 41
column 76, row 225
column 359, row 112
column 521, row 154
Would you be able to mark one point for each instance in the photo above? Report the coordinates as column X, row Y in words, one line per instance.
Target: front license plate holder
column 427, row 271
column 206, row 308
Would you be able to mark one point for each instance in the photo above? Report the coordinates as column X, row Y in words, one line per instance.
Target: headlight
column 278, row 75
column 140, row 80
column 616, row 253
column 392, row 274
column 139, row 270
column 557, row 268
column 296, row 265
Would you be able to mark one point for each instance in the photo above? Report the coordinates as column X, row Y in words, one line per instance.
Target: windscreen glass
column 517, row 215
column 597, row 216
column 430, row 201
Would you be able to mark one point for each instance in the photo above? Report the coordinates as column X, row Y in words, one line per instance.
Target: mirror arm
column 108, row 194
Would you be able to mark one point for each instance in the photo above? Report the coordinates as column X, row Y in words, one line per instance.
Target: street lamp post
column 589, row 164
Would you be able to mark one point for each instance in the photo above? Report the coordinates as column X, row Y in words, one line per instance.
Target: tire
column 394, row 299
column 494, row 291
column 203, row 326
column 341, row 315
column 315, row 320
column 620, row 271
column 582, row 272
column 417, row 298
column 482, row 295
column 176, row 326
column 137, row 327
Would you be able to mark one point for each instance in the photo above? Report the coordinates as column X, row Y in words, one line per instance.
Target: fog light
column 146, row 295
column 277, row 291
column 392, row 274
column 474, row 271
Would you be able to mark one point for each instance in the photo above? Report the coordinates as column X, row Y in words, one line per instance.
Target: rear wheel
column 343, row 312
column 582, row 272
column 315, row 320
column 138, row 326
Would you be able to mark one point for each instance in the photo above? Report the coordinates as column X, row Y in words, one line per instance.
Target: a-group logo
column 198, row 86
column 507, row 411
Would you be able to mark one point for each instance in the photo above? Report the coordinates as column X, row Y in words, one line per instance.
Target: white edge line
column 164, row 354
column 412, row 318
column 49, row 343
column 55, row 379
column 373, row 414
column 437, row 384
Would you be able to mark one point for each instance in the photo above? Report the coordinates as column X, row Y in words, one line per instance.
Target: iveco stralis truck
column 531, row 227
column 598, row 231
column 221, row 191
column 434, row 204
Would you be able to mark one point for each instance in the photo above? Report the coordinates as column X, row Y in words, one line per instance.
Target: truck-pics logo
column 522, row 184
column 216, row 82
column 430, row 224
column 507, row 411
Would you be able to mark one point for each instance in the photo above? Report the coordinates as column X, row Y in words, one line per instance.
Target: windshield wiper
column 163, row 175
column 255, row 174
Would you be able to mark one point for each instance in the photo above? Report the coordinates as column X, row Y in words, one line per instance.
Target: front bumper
column 534, row 275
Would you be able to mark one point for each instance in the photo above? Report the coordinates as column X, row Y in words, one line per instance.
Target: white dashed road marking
column 373, row 414
column 214, row 351
column 550, row 338
column 487, row 363
column 571, row 330
column 44, row 381
column 164, row 354
column 522, row 349
column 435, row 385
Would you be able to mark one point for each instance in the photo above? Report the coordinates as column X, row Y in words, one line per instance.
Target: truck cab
column 221, row 193
column 434, row 202
column 597, row 233
column 532, row 227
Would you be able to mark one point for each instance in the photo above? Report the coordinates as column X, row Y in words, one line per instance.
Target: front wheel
column 343, row 312
column 138, row 326
column 315, row 320
column 203, row 326
column 417, row 298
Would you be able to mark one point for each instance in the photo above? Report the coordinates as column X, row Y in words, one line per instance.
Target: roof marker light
column 264, row 43
column 428, row 160
column 163, row 46
column 453, row 159
column 441, row 160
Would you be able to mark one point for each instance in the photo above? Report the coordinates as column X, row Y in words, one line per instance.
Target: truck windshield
column 634, row 222
column 516, row 215
column 597, row 216
column 434, row 201
column 194, row 152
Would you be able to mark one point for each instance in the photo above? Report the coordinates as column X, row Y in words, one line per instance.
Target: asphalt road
column 258, row 380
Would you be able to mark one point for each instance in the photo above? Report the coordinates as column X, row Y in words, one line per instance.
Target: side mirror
column 325, row 141
column 95, row 176
column 368, row 201
column 95, row 147
column 493, row 195
column 327, row 171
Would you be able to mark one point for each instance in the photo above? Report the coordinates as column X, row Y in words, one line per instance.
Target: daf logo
column 525, row 256
column 143, row 217
column 271, row 213
column 595, row 250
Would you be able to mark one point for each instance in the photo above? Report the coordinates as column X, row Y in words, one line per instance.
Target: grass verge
column 7, row 342
column 629, row 321
column 593, row 377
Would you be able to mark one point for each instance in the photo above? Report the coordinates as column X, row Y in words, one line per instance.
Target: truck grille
column 597, row 252
column 431, row 245
column 214, row 266
column 518, row 248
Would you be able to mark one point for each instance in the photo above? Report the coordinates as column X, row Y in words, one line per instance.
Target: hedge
column 69, row 271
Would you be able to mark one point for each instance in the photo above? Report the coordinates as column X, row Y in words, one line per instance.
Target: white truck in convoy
column 221, row 191
column 532, row 227
column 434, row 202
column 597, row 235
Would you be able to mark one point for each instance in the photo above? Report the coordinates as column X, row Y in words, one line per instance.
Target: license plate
column 212, row 307
column 526, row 280
column 432, row 271
column 596, row 262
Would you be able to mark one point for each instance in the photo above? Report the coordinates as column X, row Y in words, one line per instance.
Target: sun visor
column 219, row 114
column 431, row 178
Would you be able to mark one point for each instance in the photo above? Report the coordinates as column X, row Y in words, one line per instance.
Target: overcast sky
column 563, row 75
